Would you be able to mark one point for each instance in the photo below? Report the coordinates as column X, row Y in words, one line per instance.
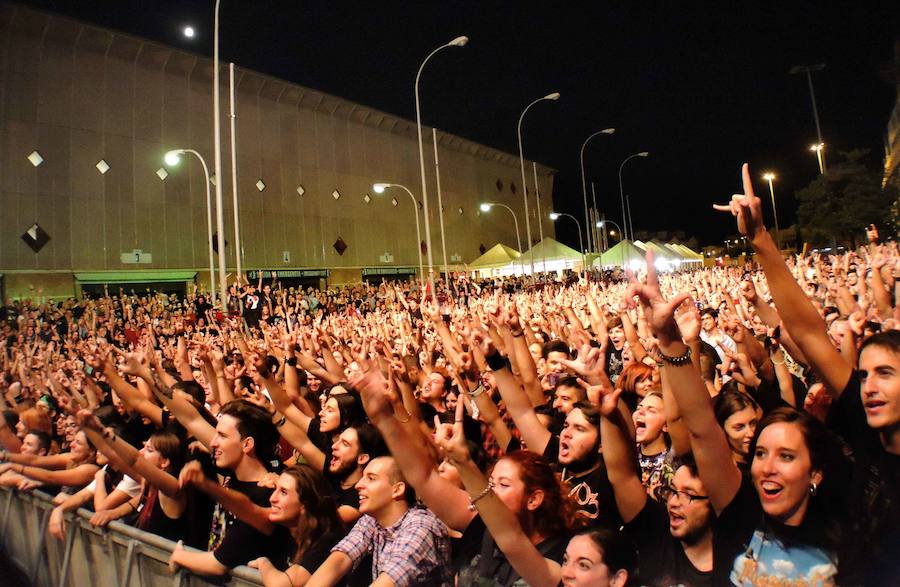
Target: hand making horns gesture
column 746, row 207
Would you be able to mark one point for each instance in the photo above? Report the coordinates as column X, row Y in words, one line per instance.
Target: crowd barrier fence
column 116, row 556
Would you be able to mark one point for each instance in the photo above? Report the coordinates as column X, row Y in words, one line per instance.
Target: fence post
column 133, row 547
column 73, row 527
column 41, row 546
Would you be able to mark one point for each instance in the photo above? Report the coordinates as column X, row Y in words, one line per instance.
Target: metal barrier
column 117, row 556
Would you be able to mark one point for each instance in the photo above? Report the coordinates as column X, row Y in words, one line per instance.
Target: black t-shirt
column 871, row 551
column 663, row 562
column 591, row 489
column 240, row 542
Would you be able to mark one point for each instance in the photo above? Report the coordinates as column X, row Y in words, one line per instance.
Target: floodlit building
column 85, row 198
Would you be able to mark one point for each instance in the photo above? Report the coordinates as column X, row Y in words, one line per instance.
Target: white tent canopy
column 550, row 255
column 624, row 254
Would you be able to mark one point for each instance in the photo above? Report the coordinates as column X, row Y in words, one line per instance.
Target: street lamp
column 622, row 189
column 555, row 216
column 189, row 32
column 820, row 156
column 611, row 232
column 808, row 70
column 587, row 221
column 379, row 188
column 770, row 177
column 486, row 207
column 172, row 158
column 457, row 42
column 554, row 96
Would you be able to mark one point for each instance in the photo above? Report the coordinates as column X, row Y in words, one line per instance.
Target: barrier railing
column 117, row 556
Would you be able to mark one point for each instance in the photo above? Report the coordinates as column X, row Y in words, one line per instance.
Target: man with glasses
column 674, row 536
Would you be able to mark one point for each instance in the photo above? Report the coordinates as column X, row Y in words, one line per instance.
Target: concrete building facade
column 86, row 115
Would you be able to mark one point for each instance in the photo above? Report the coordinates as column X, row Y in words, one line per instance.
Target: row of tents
column 551, row 255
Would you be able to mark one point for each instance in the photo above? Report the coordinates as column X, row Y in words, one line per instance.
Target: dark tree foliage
column 841, row 203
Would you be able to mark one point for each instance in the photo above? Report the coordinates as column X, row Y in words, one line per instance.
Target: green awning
column 134, row 276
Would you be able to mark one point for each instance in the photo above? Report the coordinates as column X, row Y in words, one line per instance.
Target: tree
column 841, row 203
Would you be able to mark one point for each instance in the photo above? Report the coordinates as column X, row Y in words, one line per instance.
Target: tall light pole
column 171, row 159
column 808, row 70
column 554, row 96
column 600, row 225
column 238, row 249
column 587, row 222
column 457, row 42
column 486, row 207
column 555, row 216
column 820, row 155
column 539, row 216
column 770, row 177
column 379, row 188
column 622, row 189
column 437, row 181
column 217, row 146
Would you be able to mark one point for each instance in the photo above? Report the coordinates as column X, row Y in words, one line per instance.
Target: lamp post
column 379, row 188
column 171, row 159
column 820, row 156
column 587, row 222
column 808, row 70
column 611, row 233
column 554, row 96
column 770, row 177
column 622, row 189
column 457, row 42
column 217, row 145
column 555, row 216
column 486, row 207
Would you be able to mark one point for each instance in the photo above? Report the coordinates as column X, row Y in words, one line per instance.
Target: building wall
column 78, row 94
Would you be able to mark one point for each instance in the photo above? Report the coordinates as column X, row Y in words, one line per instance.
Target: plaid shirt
column 414, row 551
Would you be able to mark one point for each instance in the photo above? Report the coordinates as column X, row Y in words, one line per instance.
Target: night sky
column 703, row 86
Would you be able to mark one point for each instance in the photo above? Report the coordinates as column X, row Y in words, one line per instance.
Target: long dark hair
column 169, row 446
column 618, row 551
column 320, row 516
column 828, row 505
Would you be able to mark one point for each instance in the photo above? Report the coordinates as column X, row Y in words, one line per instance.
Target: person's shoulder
column 422, row 516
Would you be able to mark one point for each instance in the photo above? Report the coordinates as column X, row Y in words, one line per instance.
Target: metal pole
column 437, row 178
column 580, row 240
column 524, row 188
column 622, row 194
column 422, row 172
column 516, row 223
column 775, row 212
column 415, row 206
column 540, row 218
column 628, row 207
column 596, row 213
column 209, row 230
column 553, row 96
column 238, row 250
column 217, row 144
column 812, row 96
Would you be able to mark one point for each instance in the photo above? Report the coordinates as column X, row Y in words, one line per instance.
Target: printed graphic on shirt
column 768, row 562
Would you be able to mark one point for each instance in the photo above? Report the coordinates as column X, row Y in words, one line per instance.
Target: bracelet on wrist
column 477, row 391
column 682, row 360
column 292, row 361
column 473, row 500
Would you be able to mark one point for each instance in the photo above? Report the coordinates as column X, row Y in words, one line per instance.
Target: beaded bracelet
column 473, row 500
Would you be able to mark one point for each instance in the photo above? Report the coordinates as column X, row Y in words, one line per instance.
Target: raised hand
column 191, row 474
column 450, row 438
column 659, row 312
column 746, row 207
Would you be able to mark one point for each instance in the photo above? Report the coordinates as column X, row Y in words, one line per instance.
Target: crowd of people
column 722, row 426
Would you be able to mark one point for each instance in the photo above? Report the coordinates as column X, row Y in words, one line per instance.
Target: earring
column 813, row 489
